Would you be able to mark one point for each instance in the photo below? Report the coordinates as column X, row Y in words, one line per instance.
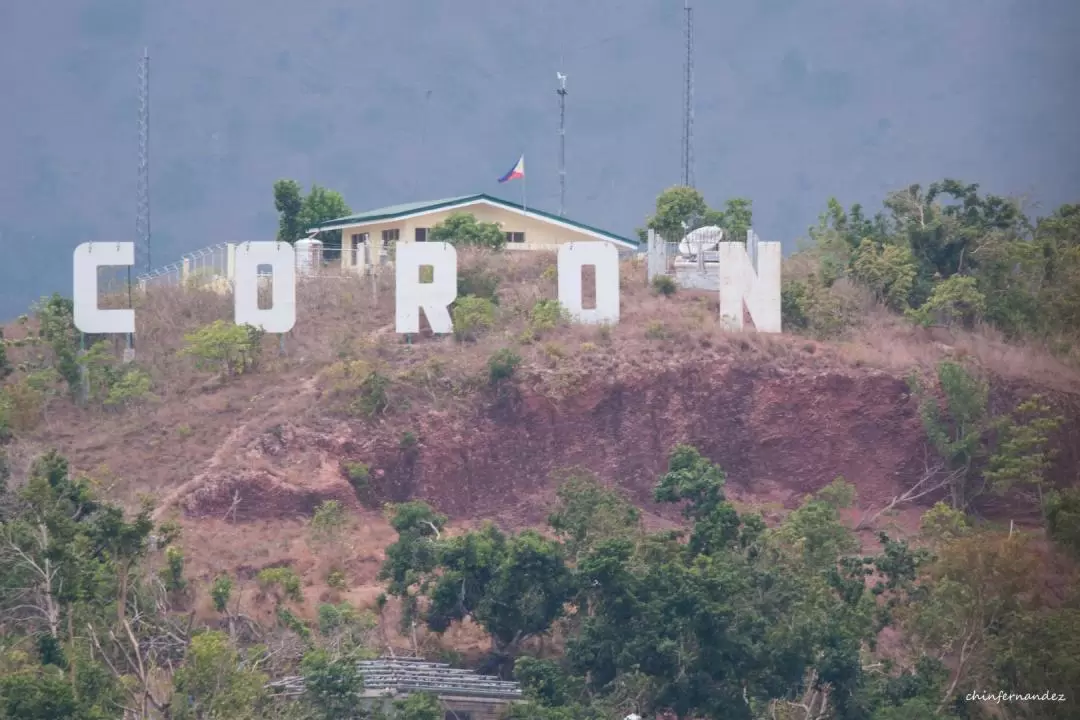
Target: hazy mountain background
column 797, row 100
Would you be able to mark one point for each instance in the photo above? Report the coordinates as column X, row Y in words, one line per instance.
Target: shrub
column 478, row 282
column 172, row 575
column 21, row 406
column 373, row 399
column 5, row 364
column 888, row 271
column 234, row 348
column 502, row 364
column 472, row 315
column 664, row 285
column 554, row 350
column 655, row 330
column 336, row 580
column 283, row 578
column 220, row 592
column 953, row 301
column 328, row 522
column 546, row 315
column 56, row 321
column 1063, row 519
column 810, row 306
column 359, row 474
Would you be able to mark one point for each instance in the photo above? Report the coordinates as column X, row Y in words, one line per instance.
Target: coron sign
column 739, row 284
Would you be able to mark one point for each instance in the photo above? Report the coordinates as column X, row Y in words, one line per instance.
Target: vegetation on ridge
column 102, row 612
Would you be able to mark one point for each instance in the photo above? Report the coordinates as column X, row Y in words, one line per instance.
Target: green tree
column 1023, row 453
column 514, row 586
column 956, row 430
column 587, row 513
column 40, row 694
column 888, row 271
column 418, row 706
column 463, row 229
column 956, row 301
column 700, row 624
column 978, row 584
column 736, row 218
column 212, row 684
column 299, row 213
column 332, row 685
column 56, row 320
column 1062, row 510
column 679, row 209
column 289, row 202
column 322, row 205
column 961, row 429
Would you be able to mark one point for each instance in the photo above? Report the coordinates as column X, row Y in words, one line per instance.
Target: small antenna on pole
column 562, row 141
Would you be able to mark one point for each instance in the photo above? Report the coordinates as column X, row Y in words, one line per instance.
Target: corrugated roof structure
column 408, row 210
column 411, row 675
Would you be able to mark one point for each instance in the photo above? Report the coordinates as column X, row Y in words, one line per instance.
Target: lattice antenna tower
column 561, row 90
column 688, row 101
column 142, row 212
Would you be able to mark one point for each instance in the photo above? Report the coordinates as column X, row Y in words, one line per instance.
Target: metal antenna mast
column 142, row 213
column 562, row 141
column 688, row 102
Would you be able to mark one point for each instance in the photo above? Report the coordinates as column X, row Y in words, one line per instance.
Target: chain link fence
column 693, row 262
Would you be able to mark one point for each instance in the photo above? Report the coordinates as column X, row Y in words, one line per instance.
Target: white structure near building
column 746, row 276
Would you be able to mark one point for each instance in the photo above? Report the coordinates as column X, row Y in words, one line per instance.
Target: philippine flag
column 518, row 171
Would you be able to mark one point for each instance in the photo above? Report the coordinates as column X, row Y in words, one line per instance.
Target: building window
column 515, row 237
column 421, row 234
column 389, row 236
column 359, row 249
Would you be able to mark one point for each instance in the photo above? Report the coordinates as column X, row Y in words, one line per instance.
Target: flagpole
column 524, row 196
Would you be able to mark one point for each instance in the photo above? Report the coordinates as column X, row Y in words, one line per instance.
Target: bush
column 21, row 406
column 953, row 301
column 373, row 399
column 664, row 285
column 546, row 315
column 1063, row 519
column 478, row 282
column 472, row 315
column 336, row 579
column 172, row 575
column 502, row 364
column 888, row 271
column 809, row 306
column 329, row 521
column 234, row 348
column 283, row 578
column 5, row 364
column 359, row 475
column 655, row 330
column 55, row 317
column 220, row 592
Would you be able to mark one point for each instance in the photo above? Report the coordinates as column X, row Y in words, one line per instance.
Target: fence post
column 655, row 258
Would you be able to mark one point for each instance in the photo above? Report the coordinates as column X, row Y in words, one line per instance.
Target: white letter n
column 759, row 290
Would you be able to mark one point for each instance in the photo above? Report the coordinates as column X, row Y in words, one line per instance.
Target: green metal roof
column 416, row 208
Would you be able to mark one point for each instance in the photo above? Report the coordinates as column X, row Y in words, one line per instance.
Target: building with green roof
column 366, row 236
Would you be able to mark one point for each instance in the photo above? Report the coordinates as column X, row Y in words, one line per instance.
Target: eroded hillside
column 353, row 412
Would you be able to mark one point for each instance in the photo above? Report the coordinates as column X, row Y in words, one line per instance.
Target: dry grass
column 890, row 343
column 344, row 331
